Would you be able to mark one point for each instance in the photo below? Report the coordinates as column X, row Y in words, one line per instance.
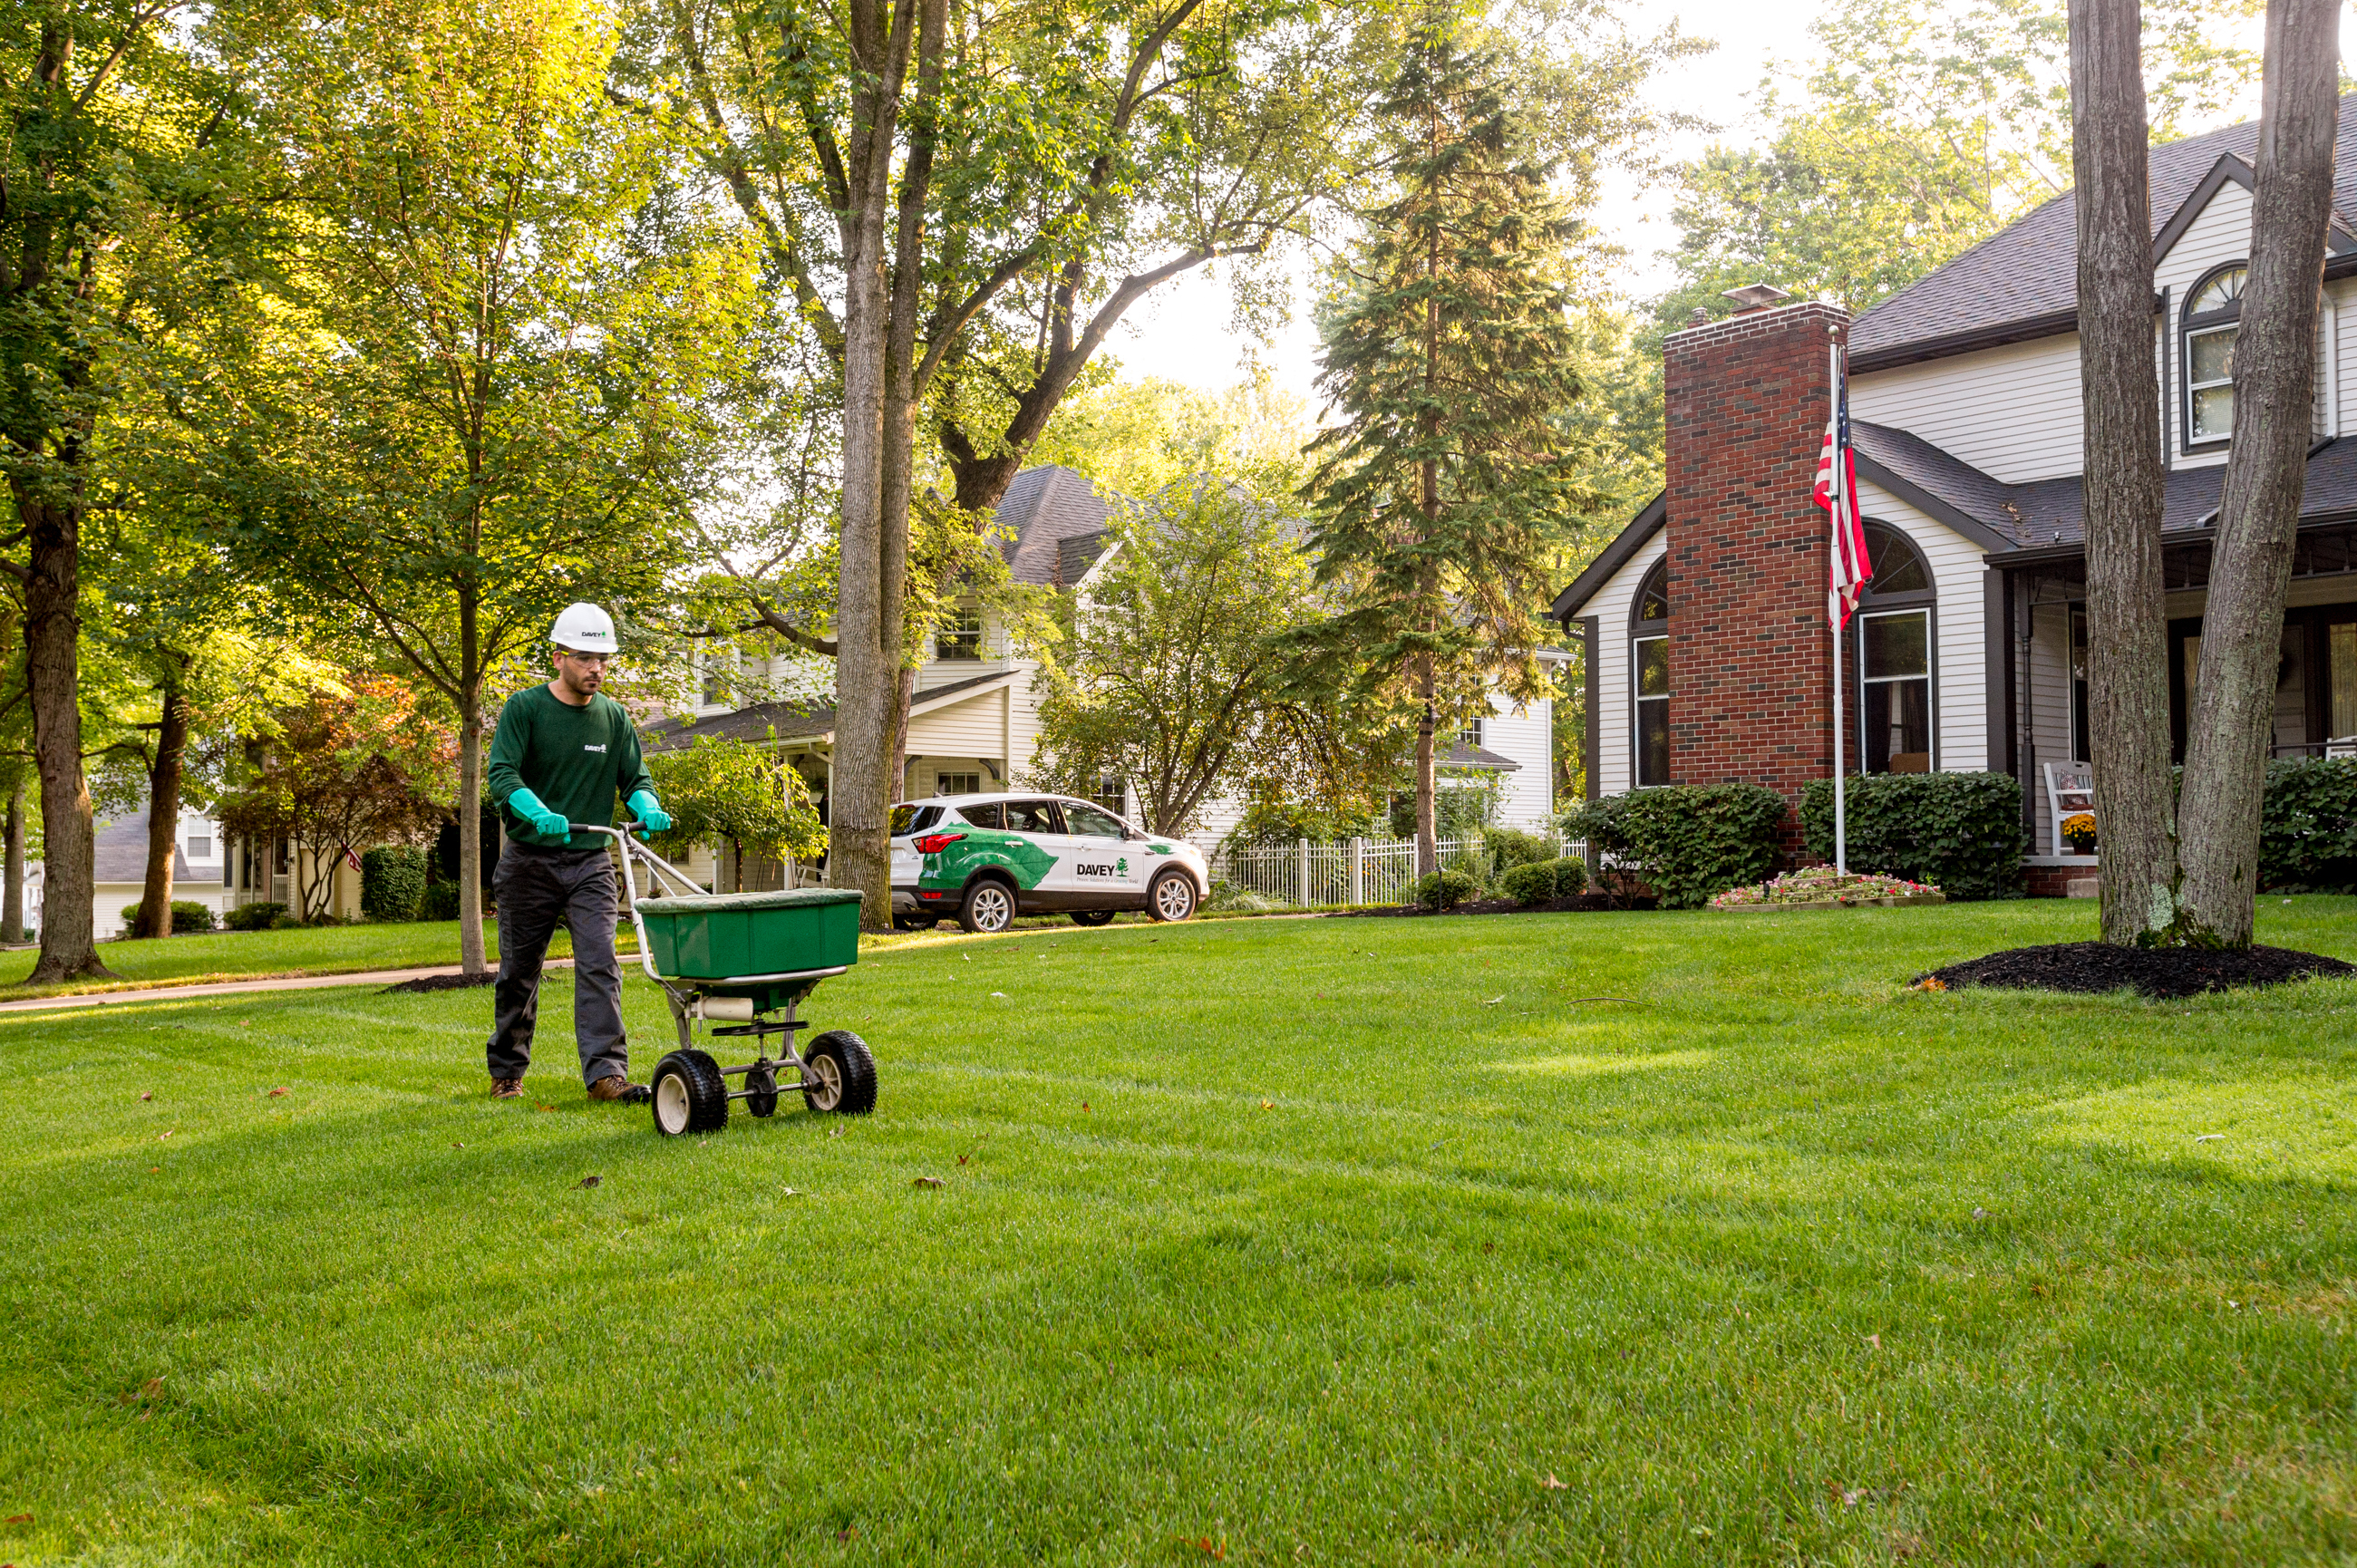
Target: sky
column 1183, row 331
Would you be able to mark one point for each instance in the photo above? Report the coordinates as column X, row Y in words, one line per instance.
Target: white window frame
column 1637, row 701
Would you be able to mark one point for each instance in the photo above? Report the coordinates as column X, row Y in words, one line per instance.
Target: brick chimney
column 1744, row 404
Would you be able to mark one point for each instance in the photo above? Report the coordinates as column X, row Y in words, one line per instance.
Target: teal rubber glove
column 545, row 822
column 650, row 814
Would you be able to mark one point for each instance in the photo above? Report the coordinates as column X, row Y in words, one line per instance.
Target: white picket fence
column 1305, row 875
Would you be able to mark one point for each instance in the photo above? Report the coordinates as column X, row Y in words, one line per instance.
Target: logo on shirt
column 593, row 748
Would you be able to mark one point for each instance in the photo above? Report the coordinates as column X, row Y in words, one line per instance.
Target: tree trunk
column 163, row 814
column 2231, row 726
column 1427, row 835
column 470, row 833
column 12, row 891
column 2127, row 655
column 52, row 658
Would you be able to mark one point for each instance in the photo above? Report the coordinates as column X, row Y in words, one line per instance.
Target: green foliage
column 735, row 792
column 1687, row 842
column 439, row 902
column 1138, row 438
column 1445, row 889
column 1508, row 848
column 188, row 916
column 2307, row 826
column 259, row 916
column 392, row 881
column 1463, row 804
column 1544, row 881
column 1266, row 823
column 1443, row 500
column 1174, row 678
column 1960, row 833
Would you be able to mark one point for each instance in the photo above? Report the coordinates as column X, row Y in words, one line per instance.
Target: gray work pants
column 534, row 892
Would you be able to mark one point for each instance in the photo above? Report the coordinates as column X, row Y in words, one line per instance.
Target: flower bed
column 1822, row 888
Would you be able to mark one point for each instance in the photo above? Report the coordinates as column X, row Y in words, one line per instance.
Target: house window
column 717, row 669
column 1649, row 663
column 959, row 636
column 2213, row 319
column 1111, row 793
column 957, row 783
column 201, row 847
column 2341, row 679
column 1892, row 644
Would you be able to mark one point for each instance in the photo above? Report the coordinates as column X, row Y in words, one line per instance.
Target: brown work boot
column 619, row 1087
column 507, row 1089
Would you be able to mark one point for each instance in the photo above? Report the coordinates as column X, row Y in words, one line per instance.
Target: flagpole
column 1833, row 614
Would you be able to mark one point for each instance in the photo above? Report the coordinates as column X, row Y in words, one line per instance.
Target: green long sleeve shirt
column 577, row 760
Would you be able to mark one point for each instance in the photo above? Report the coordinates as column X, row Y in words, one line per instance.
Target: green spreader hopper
column 738, row 964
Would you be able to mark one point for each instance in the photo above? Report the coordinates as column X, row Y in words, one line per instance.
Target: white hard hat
column 585, row 628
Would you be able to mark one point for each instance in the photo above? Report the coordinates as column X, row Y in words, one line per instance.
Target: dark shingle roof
column 121, row 847
column 1042, row 507
column 1463, row 755
column 780, row 720
column 1078, row 552
column 2028, row 271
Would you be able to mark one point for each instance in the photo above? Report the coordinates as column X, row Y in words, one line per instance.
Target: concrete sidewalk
column 234, row 987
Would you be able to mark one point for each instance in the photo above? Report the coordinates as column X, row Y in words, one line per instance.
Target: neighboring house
column 120, row 869
column 974, row 722
column 1709, row 657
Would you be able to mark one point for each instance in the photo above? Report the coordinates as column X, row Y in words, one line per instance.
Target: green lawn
column 239, row 955
column 1330, row 1241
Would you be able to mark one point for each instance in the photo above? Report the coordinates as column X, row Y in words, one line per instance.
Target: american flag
column 1836, row 491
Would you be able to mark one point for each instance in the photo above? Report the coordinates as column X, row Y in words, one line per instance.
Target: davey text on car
column 985, row 859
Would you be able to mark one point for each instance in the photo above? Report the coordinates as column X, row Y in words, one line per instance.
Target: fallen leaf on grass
column 790, row 1192
column 1268, row 1105
column 147, row 1094
column 276, row 1092
column 544, row 1107
column 962, row 1159
column 1552, row 1485
column 1931, row 982
column 2207, row 1136
column 1203, row 1546
column 846, row 1533
column 1875, row 1340
column 1849, row 1499
column 457, row 1145
column 588, row 1181
column 927, row 1181
column 1980, row 1214
column 1494, row 1000
column 1084, row 1105
column 161, row 1136
column 20, row 1518
column 998, row 993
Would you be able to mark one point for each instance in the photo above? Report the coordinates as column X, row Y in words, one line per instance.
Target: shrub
column 188, row 916
column 392, row 880
column 440, row 902
column 1445, row 889
column 254, row 917
column 1687, row 842
column 2307, row 826
column 1542, row 882
column 1507, row 848
column 1959, row 831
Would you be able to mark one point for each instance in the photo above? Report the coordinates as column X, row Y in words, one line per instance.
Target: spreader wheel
column 839, row 1074
column 690, row 1095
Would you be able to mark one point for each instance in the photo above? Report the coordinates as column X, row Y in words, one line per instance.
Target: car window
column 1033, row 817
column 1091, row 823
column 990, row 816
column 906, row 819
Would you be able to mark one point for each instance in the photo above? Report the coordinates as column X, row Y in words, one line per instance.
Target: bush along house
column 1704, row 621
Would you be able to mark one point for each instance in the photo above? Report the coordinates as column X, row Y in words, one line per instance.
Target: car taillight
column 933, row 843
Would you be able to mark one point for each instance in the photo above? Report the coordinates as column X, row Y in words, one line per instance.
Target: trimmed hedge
column 392, row 880
column 1959, row 831
column 187, row 917
column 1687, row 842
column 253, row 917
column 1445, row 889
column 440, row 902
column 1508, row 848
column 2307, row 826
column 1542, row 882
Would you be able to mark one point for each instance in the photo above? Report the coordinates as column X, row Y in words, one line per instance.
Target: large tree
column 2231, row 726
column 502, row 369
column 121, row 217
column 1441, row 502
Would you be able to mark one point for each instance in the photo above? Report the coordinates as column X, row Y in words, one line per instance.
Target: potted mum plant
column 2079, row 832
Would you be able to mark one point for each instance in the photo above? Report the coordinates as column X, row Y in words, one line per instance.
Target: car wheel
column 1092, row 917
column 989, row 907
column 1172, row 896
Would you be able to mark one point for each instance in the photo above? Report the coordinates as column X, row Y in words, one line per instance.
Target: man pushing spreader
column 562, row 754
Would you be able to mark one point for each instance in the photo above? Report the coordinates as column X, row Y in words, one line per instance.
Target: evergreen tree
column 1441, row 501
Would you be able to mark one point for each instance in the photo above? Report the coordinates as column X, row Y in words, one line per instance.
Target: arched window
column 2213, row 317
column 1649, row 666
column 1891, row 650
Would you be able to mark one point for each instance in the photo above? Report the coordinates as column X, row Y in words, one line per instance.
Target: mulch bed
column 442, row 982
column 2095, row 967
column 1582, row 902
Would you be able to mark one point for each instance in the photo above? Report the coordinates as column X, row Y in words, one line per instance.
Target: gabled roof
column 797, row 721
column 120, row 849
column 2022, row 282
column 1042, row 507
